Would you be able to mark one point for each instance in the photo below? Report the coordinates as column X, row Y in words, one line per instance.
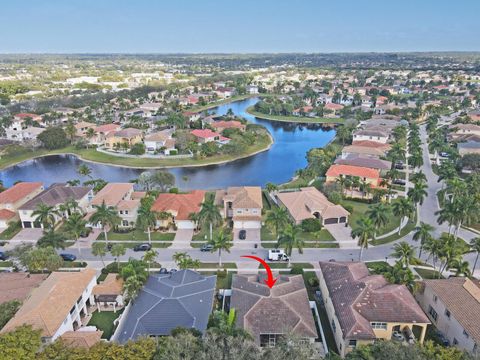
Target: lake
column 277, row 165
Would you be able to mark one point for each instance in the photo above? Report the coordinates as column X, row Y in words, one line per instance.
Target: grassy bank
column 99, row 157
column 297, row 119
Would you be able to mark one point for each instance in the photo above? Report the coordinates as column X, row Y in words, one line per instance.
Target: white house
column 160, row 141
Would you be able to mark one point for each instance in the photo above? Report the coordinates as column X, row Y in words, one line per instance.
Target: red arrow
column 270, row 281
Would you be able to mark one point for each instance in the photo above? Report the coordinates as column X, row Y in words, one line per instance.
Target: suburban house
column 364, row 161
column 370, row 176
column 58, row 305
column 363, row 308
column 369, row 134
column 219, row 126
column 469, row 147
column 18, row 285
column 268, row 314
column 179, row 206
column 128, row 136
column 309, row 203
column 108, row 295
column 102, row 131
column 453, row 306
column 182, row 299
column 123, row 198
column 333, row 108
column 207, row 135
column 55, row 195
column 19, row 130
column 14, row 197
column 82, row 128
column 459, row 130
column 243, row 205
column 160, row 141
column 24, row 116
column 371, row 151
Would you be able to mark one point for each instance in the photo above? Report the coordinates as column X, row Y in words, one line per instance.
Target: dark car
column 68, row 257
column 242, row 234
column 399, row 182
column 399, row 166
column 206, row 247
column 164, row 271
column 3, row 256
column 444, row 154
column 142, row 247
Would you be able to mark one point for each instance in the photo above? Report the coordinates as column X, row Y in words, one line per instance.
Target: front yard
column 104, row 322
column 137, row 235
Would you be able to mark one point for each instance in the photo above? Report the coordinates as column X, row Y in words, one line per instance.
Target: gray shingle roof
column 183, row 299
column 55, row 195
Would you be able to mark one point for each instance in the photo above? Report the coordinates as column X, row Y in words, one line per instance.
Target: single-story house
column 108, row 294
column 309, row 203
column 182, row 299
column 232, row 124
column 206, row 135
column 269, row 313
column 179, row 206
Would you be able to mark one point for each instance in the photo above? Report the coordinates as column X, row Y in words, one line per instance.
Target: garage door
column 331, row 221
column 343, row 219
column 187, row 224
column 247, row 225
column 27, row 224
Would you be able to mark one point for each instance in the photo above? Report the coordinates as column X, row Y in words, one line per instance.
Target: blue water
column 277, row 165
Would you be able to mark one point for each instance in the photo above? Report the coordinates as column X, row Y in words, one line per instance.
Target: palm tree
column 51, row 238
column 378, row 213
column 149, row 257
column 403, row 208
column 210, row 214
column 404, row 252
column 99, row 249
column 132, row 286
column 74, row 182
column 417, row 177
column 450, row 250
column 220, row 242
column 455, row 187
column 417, row 194
column 289, row 239
column 423, row 233
column 75, row 225
column 449, row 213
column 364, row 231
column 270, row 187
column 475, row 246
column 277, row 219
column 84, row 170
column 45, row 215
column 90, row 133
column 184, row 261
column 462, row 268
column 106, row 216
column 146, row 220
column 118, row 250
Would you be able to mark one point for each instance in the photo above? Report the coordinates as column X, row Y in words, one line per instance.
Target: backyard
column 104, row 321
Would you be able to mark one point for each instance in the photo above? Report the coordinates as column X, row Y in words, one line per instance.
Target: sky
column 241, row 26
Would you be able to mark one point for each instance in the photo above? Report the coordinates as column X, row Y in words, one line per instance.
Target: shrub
column 313, row 281
column 137, row 149
column 53, row 138
column 296, row 270
column 349, row 208
column 311, row 225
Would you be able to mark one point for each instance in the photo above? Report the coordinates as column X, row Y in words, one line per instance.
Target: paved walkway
column 25, row 236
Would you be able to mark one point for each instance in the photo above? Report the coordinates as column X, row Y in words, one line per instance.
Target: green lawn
column 6, row 263
column 406, row 229
column 308, row 245
column 323, row 235
column 427, row 273
column 215, row 265
column 11, row 231
column 299, row 119
column 104, row 322
column 137, row 235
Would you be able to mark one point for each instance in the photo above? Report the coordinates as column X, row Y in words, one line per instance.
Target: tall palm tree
column 99, row 249
column 403, row 208
column 106, row 216
column 146, row 220
column 404, row 252
column 378, row 213
column 132, row 286
column 475, row 246
column 219, row 243
column 365, row 230
column 210, row 214
column 462, row 268
column 418, row 177
column 455, row 187
column 84, row 170
column 277, row 219
column 423, row 233
column 150, row 257
column 117, row 251
column 45, row 215
column 289, row 239
column 450, row 213
column 270, row 187
column 75, row 225
column 417, row 194
column 51, row 238
column 90, row 133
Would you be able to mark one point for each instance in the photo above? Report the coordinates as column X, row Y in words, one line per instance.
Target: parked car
column 242, row 234
column 399, row 166
column 142, row 247
column 277, row 255
column 206, row 247
column 399, row 182
column 68, row 257
column 398, row 336
column 164, row 271
column 3, row 256
column 444, row 154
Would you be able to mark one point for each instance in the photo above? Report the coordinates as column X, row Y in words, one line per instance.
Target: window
column 379, row 325
column 124, row 222
column 447, row 313
column 126, row 212
column 432, row 313
column 269, row 340
column 352, row 343
column 435, row 298
column 334, row 327
column 121, row 212
column 465, row 334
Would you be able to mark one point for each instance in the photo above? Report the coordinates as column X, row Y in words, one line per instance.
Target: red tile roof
column 371, row 144
column 228, row 124
column 107, row 128
column 6, row 214
column 182, row 204
column 333, row 106
column 18, row 192
column 205, row 133
column 337, row 170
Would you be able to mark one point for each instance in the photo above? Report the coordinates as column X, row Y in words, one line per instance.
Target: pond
column 277, row 165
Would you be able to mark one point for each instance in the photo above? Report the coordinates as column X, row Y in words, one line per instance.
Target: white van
column 277, row 255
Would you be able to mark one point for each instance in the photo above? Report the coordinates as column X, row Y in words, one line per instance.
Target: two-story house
column 14, row 197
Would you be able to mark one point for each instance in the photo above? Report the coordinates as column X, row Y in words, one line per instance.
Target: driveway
column 25, row 236
column 342, row 234
column 86, row 243
column 253, row 237
column 182, row 239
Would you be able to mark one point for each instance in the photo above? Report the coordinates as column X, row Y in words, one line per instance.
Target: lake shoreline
column 300, row 120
